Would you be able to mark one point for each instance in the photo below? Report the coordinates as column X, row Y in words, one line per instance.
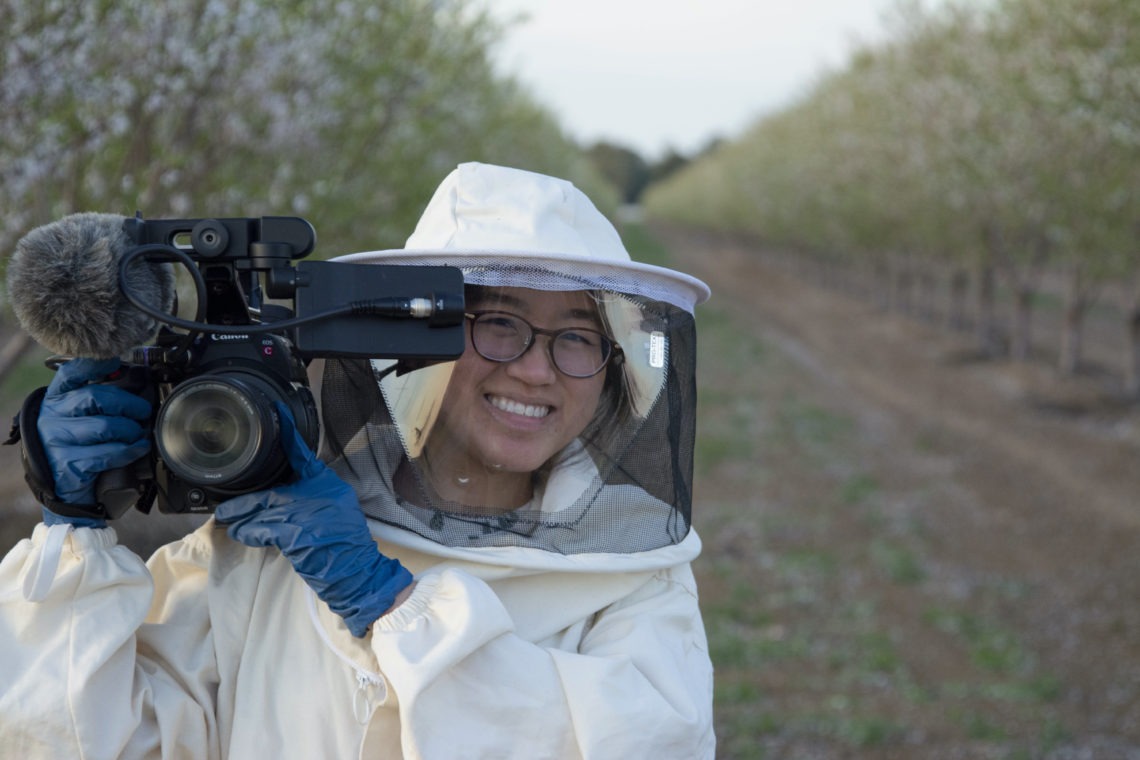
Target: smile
column 514, row 407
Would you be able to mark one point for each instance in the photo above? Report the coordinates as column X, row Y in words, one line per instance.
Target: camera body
column 217, row 385
column 216, row 429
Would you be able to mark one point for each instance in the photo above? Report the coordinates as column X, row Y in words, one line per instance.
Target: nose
column 535, row 366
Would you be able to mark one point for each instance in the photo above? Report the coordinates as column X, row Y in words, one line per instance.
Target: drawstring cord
column 361, row 703
column 366, row 680
column 41, row 573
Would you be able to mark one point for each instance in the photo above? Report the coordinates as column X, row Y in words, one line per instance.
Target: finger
column 240, row 508
column 257, row 519
column 301, row 458
column 88, row 431
column 79, row 372
column 91, row 460
column 76, row 469
column 107, row 400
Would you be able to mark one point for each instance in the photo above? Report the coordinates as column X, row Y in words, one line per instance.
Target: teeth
column 515, row 407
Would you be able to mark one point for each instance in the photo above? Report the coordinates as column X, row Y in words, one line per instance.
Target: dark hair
column 615, row 407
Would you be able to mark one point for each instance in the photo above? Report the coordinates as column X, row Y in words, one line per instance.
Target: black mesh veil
column 623, row 485
column 570, row 448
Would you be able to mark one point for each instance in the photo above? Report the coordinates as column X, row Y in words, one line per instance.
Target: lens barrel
column 220, row 430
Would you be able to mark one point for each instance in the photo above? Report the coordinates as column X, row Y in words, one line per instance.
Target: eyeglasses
column 576, row 351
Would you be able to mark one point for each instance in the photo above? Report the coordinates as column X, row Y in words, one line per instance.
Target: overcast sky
column 658, row 74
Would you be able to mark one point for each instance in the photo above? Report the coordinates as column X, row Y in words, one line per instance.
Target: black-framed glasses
column 500, row 336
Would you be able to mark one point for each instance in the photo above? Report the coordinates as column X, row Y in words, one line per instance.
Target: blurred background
column 918, row 438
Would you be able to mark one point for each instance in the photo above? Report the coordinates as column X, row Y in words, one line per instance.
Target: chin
column 519, row 462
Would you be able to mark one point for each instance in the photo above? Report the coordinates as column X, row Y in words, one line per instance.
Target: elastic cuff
column 380, row 601
column 80, row 540
column 413, row 607
column 51, row 518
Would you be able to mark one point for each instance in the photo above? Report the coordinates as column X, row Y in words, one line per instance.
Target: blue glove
column 87, row 428
column 317, row 524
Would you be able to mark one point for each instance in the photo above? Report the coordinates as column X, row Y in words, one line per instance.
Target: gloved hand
column 87, row 428
column 317, row 524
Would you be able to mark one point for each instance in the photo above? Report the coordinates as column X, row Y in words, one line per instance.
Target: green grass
column 808, row 427
column 899, row 563
column 868, row 731
column 992, row 647
column 980, row 726
column 858, row 489
column 743, row 647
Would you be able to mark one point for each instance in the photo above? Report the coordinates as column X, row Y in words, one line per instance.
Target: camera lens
column 217, row 431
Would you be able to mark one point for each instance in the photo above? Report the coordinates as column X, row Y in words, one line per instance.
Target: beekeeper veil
column 620, row 479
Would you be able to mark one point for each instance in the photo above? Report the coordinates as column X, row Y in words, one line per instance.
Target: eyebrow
column 509, row 301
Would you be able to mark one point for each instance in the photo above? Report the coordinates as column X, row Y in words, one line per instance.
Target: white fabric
column 39, row 574
column 212, row 650
column 489, row 220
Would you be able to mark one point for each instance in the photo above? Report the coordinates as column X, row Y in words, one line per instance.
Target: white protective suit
column 566, row 628
column 217, row 650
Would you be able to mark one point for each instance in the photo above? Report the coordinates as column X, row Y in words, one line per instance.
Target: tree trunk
column 882, row 283
column 959, row 287
column 985, row 328
column 903, row 300
column 928, row 293
column 1021, row 338
column 1076, row 304
column 1132, row 367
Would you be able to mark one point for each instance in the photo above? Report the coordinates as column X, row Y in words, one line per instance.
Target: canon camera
column 216, row 381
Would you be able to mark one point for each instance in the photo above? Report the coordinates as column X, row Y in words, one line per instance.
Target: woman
column 508, row 409
column 493, row 563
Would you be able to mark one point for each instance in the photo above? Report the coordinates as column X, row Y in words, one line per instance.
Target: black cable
column 387, row 307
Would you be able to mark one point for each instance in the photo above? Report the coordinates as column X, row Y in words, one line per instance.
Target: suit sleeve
column 638, row 685
column 81, row 678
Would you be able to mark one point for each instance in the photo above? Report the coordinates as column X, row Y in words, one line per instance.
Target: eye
column 500, row 322
column 581, row 338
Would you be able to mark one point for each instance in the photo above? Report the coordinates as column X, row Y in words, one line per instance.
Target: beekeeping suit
column 561, row 622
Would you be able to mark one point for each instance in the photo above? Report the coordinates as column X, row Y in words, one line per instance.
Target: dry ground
column 909, row 552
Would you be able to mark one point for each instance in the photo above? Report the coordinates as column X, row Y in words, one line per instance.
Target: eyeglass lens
column 502, row 337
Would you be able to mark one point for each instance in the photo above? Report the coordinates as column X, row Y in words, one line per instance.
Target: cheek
column 584, row 401
column 461, row 387
column 469, row 368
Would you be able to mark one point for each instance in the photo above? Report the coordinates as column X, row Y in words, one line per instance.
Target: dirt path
column 964, row 535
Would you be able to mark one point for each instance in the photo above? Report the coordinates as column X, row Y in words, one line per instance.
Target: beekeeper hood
column 623, row 482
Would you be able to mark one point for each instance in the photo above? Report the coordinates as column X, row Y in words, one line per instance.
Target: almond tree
column 1082, row 76
column 995, row 138
column 348, row 112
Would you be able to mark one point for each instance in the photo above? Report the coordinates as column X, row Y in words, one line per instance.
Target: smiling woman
column 567, row 423
column 491, row 558
column 509, row 409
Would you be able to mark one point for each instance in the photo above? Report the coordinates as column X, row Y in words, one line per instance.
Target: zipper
column 366, row 681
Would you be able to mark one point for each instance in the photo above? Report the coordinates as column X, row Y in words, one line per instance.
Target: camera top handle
column 335, row 303
column 259, row 241
column 230, row 252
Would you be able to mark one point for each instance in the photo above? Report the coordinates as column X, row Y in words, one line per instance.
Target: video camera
column 261, row 318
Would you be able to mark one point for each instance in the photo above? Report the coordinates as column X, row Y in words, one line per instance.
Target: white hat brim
column 678, row 288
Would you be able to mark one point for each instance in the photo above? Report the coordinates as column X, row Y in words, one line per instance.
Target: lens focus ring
column 217, row 430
